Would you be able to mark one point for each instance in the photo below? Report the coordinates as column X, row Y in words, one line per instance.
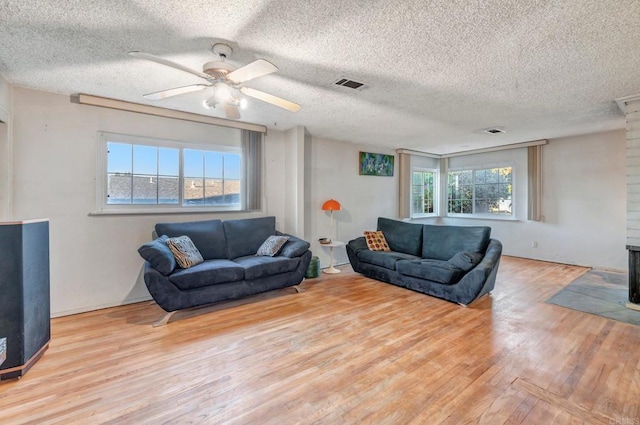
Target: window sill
column 480, row 217
column 114, row 212
column 424, row 217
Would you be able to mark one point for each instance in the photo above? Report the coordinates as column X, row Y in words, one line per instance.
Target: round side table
column 331, row 269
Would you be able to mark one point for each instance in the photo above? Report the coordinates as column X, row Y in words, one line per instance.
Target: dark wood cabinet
column 24, row 294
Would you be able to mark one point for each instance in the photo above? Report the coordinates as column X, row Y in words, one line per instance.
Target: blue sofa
column 455, row 263
column 230, row 269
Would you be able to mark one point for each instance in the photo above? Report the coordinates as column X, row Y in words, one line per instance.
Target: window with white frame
column 483, row 192
column 424, row 183
column 145, row 173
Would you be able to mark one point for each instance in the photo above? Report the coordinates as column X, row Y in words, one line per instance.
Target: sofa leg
column 298, row 289
column 164, row 320
column 462, row 305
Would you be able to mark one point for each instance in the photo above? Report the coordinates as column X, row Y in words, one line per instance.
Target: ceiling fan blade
column 253, row 70
column 174, row 92
column 166, row 62
column 269, row 98
column 231, row 111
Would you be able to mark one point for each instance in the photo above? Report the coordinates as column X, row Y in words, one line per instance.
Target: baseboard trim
column 98, row 307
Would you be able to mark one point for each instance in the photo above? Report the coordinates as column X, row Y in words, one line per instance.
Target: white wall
column 94, row 260
column 293, row 151
column 5, row 99
column 583, row 203
column 5, row 149
column 334, row 174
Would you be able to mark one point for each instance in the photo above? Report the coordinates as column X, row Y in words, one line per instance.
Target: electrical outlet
column 534, row 244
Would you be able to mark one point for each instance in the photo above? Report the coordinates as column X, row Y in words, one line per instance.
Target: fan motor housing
column 217, row 69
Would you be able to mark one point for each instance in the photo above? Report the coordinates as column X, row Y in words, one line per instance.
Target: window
column 482, row 192
column 423, row 192
column 143, row 173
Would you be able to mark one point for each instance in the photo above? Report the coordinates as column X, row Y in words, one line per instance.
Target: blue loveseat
column 455, row 263
column 230, row 269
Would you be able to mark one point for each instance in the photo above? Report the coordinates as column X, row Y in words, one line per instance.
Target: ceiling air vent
column 494, row 130
column 350, row 84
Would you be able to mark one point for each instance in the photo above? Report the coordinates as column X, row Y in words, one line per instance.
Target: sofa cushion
column 383, row 259
column 245, row 236
column 434, row 270
column 257, row 267
column 272, row 246
column 184, row 251
column 210, row 272
column 158, row 254
column 207, row 236
column 401, row 236
column 376, row 241
column 465, row 260
column 443, row 242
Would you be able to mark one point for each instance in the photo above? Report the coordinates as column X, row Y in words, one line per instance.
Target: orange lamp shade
column 331, row 205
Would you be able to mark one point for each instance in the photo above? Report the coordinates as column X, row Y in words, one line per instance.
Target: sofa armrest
column 483, row 276
column 358, row 244
column 295, row 247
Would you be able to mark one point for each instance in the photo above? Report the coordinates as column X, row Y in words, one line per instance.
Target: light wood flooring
column 348, row 350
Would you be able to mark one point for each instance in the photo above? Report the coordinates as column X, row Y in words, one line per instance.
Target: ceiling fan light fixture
column 222, row 77
column 222, row 92
column 243, row 103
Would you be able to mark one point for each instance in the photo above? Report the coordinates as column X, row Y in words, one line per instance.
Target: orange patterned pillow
column 376, row 241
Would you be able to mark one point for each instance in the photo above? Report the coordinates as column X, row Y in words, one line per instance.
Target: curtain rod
column 475, row 151
column 105, row 102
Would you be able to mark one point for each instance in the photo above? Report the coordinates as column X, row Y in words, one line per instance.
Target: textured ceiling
column 438, row 71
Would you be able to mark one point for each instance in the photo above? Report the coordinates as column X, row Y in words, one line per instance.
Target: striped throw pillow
column 185, row 252
column 272, row 246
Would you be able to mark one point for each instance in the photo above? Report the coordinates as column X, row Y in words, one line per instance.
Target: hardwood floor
column 348, row 350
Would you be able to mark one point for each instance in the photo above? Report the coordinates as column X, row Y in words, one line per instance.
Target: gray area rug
column 601, row 293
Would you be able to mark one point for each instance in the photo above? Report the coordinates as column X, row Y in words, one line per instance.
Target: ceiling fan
column 224, row 79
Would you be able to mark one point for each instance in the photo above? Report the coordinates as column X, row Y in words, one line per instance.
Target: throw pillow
column 465, row 260
column 376, row 241
column 158, row 254
column 184, row 251
column 272, row 246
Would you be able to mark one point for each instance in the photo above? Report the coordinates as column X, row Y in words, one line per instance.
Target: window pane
column 492, row 175
column 118, row 188
column 416, row 207
column 232, row 167
column 481, row 207
column 428, row 179
column 480, row 176
column 145, row 161
column 145, row 189
column 231, row 191
column 193, row 163
column 193, row 177
column 118, row 158
column 214, row 191
column 428, row 206
column 168, row 162
column 417, row 178
column 505, row 175
column 168, row 190
column 213, row 165
column 466, row 177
